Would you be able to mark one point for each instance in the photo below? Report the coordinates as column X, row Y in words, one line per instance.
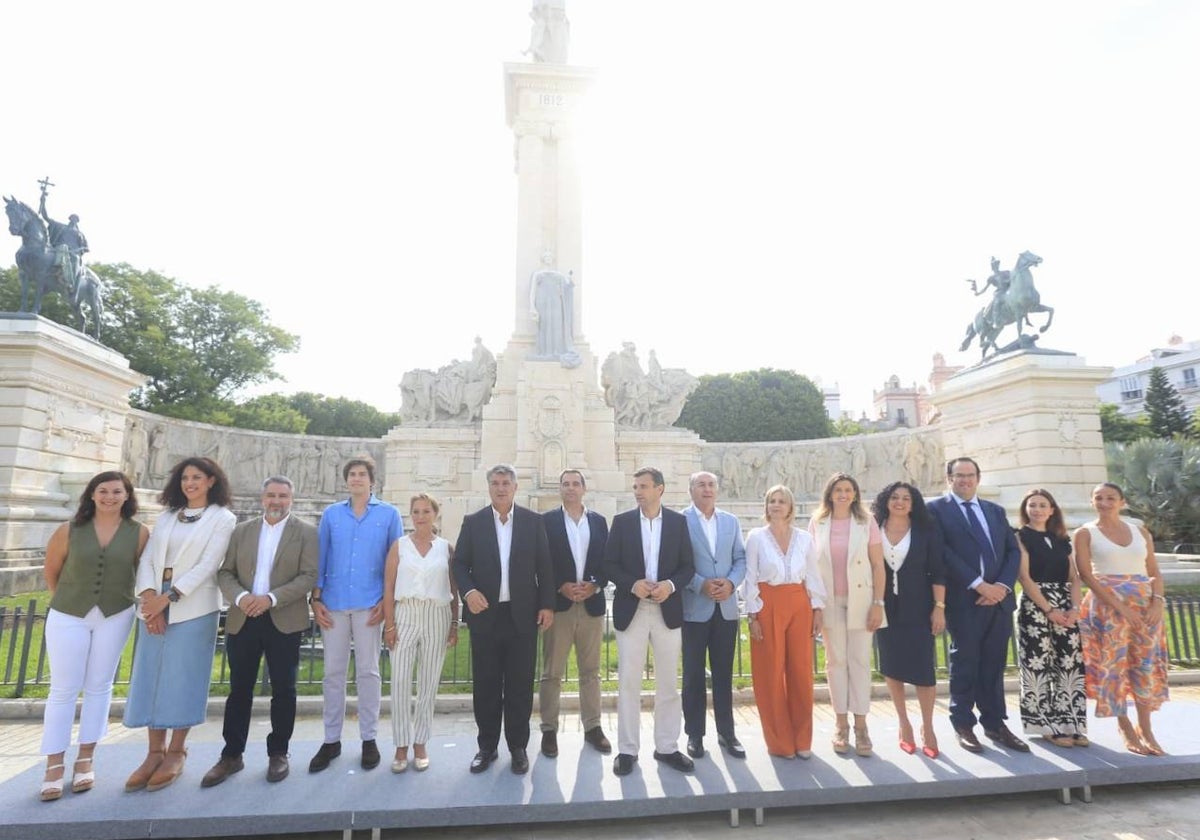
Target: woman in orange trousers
column 784, row 599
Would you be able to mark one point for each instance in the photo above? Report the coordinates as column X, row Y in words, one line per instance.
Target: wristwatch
column 877, row 603
column 174, row 595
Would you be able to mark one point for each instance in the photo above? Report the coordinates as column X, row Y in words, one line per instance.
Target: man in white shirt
column 577, row 538
column 269, row 569
column 710, row 616
column 502, row 567
column 649, row 560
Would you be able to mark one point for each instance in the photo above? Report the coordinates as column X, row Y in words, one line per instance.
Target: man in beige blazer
column 269, row 569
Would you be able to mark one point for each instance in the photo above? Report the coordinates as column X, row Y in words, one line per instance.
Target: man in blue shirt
column 354, row 536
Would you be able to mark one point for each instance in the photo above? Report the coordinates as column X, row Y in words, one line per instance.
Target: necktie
column 986, row 552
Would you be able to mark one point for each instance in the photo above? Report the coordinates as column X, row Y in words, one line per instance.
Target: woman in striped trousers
column 420, row 604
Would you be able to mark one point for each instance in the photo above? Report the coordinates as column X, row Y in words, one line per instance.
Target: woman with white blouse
column 420, row 605
column 784, row 599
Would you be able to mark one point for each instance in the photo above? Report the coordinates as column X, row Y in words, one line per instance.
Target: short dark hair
column 87, row 505
column 172, row 494
column 572, row 471
column 359, row 461
column 963, row 459
column 655, row 475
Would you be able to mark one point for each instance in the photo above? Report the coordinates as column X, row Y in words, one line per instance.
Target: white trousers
column 847, row 662
column 647, row 629
column 422, row 628
column 84, row 653
column 350, row 626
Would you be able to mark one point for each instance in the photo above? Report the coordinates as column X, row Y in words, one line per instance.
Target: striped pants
column 422, row 628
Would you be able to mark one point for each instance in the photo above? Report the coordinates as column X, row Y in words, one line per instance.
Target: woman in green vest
column 90, row 567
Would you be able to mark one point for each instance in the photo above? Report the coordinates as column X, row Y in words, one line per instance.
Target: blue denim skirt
column 171, row 674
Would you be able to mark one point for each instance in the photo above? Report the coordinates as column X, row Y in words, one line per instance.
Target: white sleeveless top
column 1108, row 558
column 425, row 577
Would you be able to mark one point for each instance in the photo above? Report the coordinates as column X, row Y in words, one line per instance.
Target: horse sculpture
column 43, row 269
column 1015, row 299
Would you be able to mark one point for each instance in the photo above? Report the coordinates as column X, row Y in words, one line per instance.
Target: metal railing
column 24, row 664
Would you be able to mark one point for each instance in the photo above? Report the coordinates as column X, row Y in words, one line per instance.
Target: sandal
column 52, row 789
column 841, row 740
column 1080, row 740
column 1131, row 737
column 862, row 742
column 1059, row 740
column 167, row 772
column 82, row 782
column 141, row 776
column 907, row 745
column 1151, row 745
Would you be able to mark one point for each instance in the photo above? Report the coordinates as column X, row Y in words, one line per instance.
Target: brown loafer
column 967, row 739
column 595, row 737
column 277, row 767
column 225, row 767
column 140, row 777
column 167, row 772
column 1004, row 736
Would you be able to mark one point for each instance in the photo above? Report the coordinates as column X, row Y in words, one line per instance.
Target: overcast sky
column 787, row 184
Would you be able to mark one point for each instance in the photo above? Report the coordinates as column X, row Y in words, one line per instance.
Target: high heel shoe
column 841, row 740
column 928, row 744
column 862, row 742
column 167, row 772
column 906, row 744
column 82, row 782
column 52, row 790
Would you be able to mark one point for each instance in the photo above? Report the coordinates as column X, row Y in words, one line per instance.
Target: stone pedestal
column 1031, row 420
column 440, row 461
column 677, row 452
column 63, row 403
column 544, row 418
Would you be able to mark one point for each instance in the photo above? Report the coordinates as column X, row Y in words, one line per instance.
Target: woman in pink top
column 1121, row 619
column 850, row 557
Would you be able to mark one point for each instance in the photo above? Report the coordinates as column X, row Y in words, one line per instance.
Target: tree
column 756, row 405
column 1161, row 481
column 340, row 416
column 1117, row 428
column 268, row 413
column 199, row 347
column 1165, row 408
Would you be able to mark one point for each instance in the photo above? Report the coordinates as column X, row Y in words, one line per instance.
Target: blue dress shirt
column 354, row 552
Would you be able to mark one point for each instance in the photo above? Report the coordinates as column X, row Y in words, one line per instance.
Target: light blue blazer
column 730, row 563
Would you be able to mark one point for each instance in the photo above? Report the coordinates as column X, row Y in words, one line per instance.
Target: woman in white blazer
column 179, row 604
column 850, row 557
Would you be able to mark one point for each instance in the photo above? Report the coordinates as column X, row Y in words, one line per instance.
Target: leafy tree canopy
column 198, row 346
column 1161, row 480
column 1117, row 428
column 756, row 405
column 340, row 416
column 1165, row 409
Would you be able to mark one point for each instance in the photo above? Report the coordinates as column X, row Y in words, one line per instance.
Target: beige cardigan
column 858, row 571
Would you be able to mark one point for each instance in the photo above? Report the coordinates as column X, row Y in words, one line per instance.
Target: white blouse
column 425, row 577
column 767, row 563
column 895, row 555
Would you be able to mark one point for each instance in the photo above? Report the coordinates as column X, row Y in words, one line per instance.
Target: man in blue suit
column 981, row 559
column 710, row 616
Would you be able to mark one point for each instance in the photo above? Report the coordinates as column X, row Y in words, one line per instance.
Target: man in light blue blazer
column 710, row 616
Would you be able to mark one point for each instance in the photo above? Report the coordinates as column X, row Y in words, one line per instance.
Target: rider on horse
column 68, row 240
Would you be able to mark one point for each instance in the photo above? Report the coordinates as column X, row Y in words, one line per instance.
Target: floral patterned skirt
column 1053, row 700
column 1123, row 662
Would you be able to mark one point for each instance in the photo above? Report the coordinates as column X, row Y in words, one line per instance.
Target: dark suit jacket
column 922, row 568
column 476, row 565
column 624, row 564
column 293, row 574
column 960, row 555
column 564, row 560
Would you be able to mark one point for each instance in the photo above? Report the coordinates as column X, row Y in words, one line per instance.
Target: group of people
column 894, row 576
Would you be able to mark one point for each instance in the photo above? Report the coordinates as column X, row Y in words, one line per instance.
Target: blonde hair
column 787, row 494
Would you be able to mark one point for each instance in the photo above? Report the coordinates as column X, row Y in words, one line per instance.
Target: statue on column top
column 551, row 32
